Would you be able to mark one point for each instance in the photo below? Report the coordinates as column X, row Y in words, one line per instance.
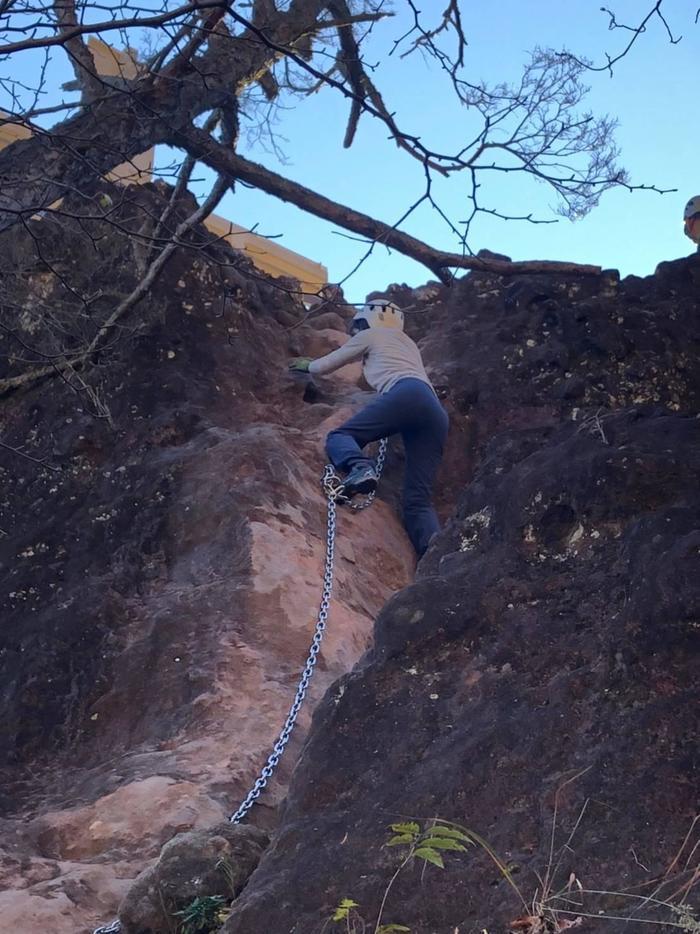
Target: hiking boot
column 361, row 479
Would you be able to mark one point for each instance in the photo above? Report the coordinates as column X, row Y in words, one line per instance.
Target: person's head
column 377, row 313
column 691, row 219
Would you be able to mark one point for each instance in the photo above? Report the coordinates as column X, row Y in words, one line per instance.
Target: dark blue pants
column 410, row 409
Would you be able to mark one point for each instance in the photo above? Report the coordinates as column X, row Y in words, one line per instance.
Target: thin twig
column 35, row 460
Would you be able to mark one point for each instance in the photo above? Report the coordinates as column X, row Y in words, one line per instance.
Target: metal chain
column 333, row 488
column 283, row 738
column 113, row 928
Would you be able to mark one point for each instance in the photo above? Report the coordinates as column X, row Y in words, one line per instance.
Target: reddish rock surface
column 159, row 590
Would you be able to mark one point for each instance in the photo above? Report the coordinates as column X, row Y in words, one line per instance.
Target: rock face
column 161, row 570
column 537, row 684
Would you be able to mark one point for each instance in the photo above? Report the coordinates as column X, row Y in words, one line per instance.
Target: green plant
column 429, row 844
column 556, row 906
column 346, row 914
column 342, row 912
column 204, row 915
column 426, row 844
column 225, row 867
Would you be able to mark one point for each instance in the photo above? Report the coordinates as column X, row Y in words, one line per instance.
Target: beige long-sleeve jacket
column 387, row 355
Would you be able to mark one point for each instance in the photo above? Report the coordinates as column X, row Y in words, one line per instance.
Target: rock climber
column 691, row 218
column 406, row 404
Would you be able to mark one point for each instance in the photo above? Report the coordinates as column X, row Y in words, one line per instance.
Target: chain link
column 113, row 928
column 333, row 488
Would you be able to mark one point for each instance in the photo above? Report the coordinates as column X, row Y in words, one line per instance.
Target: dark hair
column 358, row 324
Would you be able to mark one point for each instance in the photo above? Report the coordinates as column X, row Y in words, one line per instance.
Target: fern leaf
column 430, row 856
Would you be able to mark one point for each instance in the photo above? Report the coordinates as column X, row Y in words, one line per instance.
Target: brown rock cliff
column 537, row 684
column 160, row 584
column 160, row 589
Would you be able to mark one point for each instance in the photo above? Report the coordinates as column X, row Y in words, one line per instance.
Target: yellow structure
column 109, row 63
column 269, row 257
column 113, row 63
column 11, row 132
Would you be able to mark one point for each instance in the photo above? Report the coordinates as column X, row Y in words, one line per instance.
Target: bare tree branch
column 36, row 460
column 125, row 124
column 201, row 146
column 451, row 19
column 94, row 29
column 78, row 52
column 636, row 31
column 183, row 180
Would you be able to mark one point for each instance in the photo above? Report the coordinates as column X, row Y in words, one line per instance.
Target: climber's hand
column 300, row 364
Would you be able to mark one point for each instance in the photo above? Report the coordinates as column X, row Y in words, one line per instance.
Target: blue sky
column 652, row 93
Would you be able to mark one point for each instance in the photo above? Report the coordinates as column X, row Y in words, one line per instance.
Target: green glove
column 300, row 364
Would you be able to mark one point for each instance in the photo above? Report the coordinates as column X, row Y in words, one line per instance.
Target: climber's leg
column 380, row 419
column 424, row 446
column 413, row 409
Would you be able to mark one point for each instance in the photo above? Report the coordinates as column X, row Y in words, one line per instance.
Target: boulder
column 200, row 864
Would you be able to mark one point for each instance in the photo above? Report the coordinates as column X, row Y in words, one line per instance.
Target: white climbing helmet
column 380, row 313
column 692, row 207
